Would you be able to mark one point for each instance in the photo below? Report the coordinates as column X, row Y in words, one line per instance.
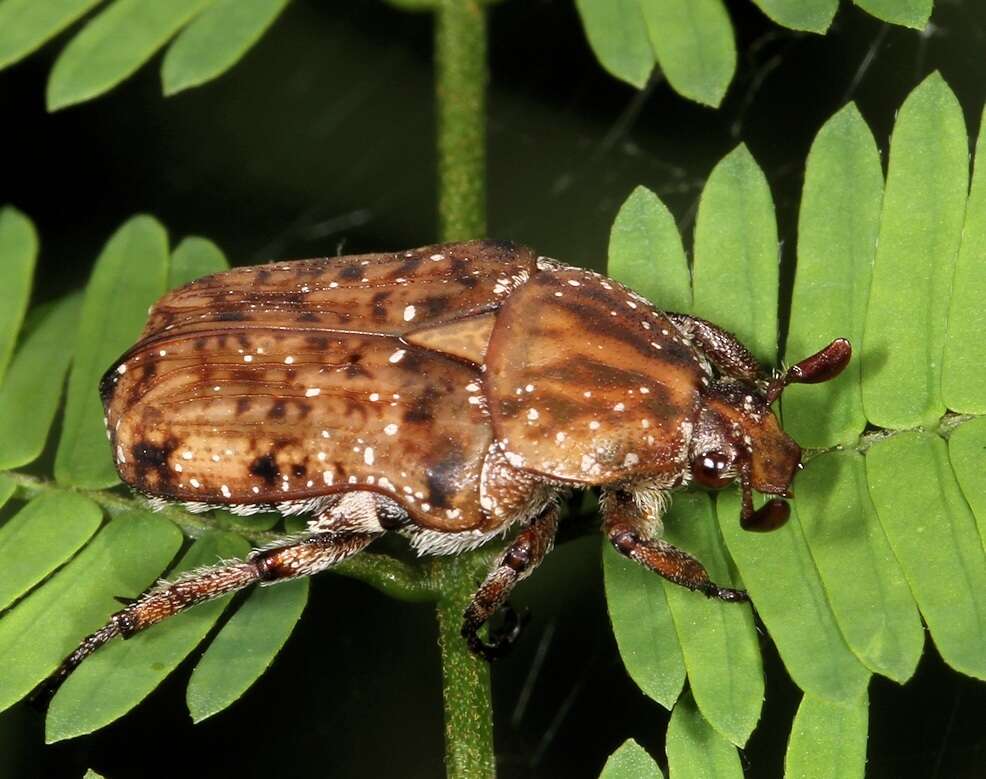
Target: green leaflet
column 910, row 13
column 616, row 32
column 838, row 225
column 26, row 24
column 863, row 580
column 631, row 761
column 828, row 740
column 933, row 535
column 693, row 41
column 194, row 258
column 645, row 252
column 643, row 628
column 912, row 277
column 125, row 557
column 734, row 276
column 7, row 489
column 787, row 592
column 42, row 536
column 967, row 453
column 964, row 364
column 18, row 252
column 245, row 647
column 695, row 750
column 120, row 675
column 30, row 395
column 809, row 15
column 718, row 640
column 129, row 276
column 113, row 45
column 216, row 40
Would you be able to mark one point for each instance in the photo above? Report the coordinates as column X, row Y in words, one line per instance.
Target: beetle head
column 738, row 436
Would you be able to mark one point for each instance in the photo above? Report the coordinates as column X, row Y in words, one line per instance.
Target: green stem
column 466, row 678
column 460, row 94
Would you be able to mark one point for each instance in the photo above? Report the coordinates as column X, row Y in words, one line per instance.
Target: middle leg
column 628, row 529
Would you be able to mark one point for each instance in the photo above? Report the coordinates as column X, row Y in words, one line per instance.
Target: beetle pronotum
column 450, row 393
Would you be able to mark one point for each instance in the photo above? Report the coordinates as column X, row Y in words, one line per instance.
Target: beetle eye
column 709, row 470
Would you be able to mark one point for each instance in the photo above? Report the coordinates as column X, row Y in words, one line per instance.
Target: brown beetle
column 448, row 393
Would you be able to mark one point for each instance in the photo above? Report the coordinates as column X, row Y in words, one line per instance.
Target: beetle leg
column 626, row 527
column 517, row 562
column 721, row 347
column 303, row 556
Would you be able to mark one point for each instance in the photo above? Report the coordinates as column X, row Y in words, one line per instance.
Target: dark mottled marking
column 265, row 467
column 318, row 342
column 351, row 273
column 278, row 409
column 435, row 304
column 412, row 362
column 231, row 316
column 298, row 470
column 468, row 281
column 199, row 343
column 379, row 309
column 444, row 478
column 263, row 276
column 354, row 371
column 148, row 455
column 304, row 408
column 409, row 266
column 423, row 408
column 308, row 316
column 243, row 405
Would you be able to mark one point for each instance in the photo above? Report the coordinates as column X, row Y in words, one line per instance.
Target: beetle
column 450, row 393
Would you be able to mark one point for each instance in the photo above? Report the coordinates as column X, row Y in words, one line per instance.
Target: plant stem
column 460, row 95
column 466, row 678
column 460, row 92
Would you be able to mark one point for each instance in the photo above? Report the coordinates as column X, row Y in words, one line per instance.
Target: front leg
column 723, row 349
column 517, row 562
column 628, row 529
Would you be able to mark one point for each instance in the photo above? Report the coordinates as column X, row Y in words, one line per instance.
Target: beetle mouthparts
column 821, row 366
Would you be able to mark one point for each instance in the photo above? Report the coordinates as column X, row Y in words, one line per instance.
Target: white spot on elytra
column 408, row 313
column 325, row 434
column 312, row 392
column 195, row 483
column 619, row 407
column 630, row 459
column 368, row 455
column 559, row 437
column 374, row 397
column 644, row 390
column 397, row 356
column 121, row 368
column 288, row 360
column 529, row 388
column 472, row 387
column 391, row 429
column 163, row 353
column 593, row 425
column 532, row 414
column 178, row 468
column 186, row 455
column 437, row 257
column 225, row 491
column 574, row 283
column 247, row 358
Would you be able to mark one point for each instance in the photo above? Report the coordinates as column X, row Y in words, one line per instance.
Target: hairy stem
column 466, row 678
column 460, row 94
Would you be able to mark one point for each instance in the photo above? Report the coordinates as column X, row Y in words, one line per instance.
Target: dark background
column 321, row 141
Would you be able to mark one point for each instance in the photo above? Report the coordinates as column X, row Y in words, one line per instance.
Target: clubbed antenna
column 821, row 366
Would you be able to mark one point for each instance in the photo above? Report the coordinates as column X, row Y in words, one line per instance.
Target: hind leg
column 345, row 529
